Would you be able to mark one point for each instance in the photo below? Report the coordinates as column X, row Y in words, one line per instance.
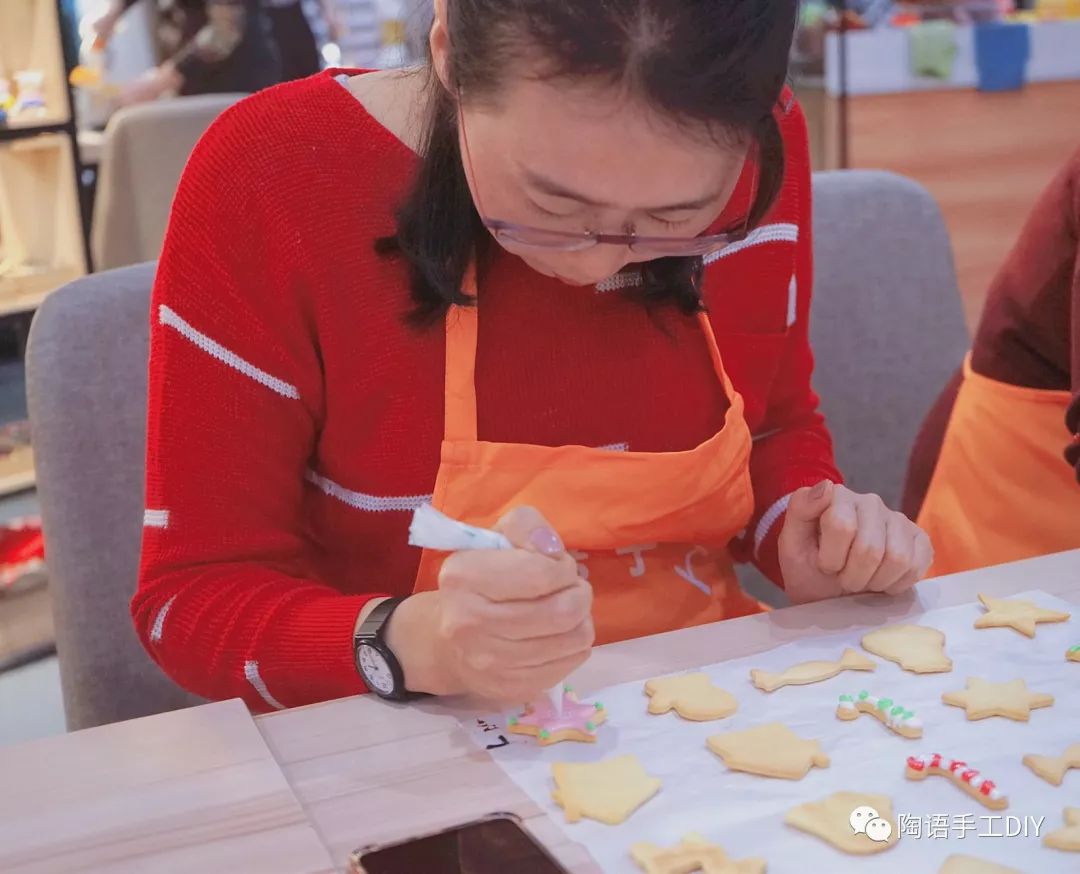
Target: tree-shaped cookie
column 915, row 648
column 1021, row 615
column 692, row 696
column 694, row 854
column 1068, row 837
column 853, row 822
column 771, row 750
column 982, row 699
column 607, row 791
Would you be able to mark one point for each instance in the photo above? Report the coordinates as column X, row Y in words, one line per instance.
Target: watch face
column 376, row 671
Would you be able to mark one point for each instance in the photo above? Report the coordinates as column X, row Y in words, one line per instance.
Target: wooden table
column 364, row 771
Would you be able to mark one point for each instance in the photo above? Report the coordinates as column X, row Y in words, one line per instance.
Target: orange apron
column 1001, row 490
column 649, row 530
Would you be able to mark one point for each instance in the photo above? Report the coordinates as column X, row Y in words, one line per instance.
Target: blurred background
column 977, row 100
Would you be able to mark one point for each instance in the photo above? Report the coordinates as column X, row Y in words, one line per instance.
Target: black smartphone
column 495, row 844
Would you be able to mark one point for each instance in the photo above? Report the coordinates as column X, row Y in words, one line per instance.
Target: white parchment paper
column 744, row 813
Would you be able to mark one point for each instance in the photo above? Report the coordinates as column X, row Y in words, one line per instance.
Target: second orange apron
column 649, row 529
column 1002, row 490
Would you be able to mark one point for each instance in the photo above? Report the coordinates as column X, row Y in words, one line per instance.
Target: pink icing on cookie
column 541, row 716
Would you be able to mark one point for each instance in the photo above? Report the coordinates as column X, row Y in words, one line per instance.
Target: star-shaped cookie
column 1067, row 838
column 1021, row 615
column 771, row 750
column 607, row 791
column 694, row 854
column 1012, row 700
column 692, row 696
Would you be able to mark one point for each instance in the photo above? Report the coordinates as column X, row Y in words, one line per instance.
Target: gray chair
column 888, row 332
column 146, row 149
column 887, row 323
column 86, row 388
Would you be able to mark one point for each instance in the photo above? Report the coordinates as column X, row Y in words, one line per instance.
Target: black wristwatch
column 375, row 661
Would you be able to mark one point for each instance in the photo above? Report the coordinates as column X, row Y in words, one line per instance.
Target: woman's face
column 587, row 158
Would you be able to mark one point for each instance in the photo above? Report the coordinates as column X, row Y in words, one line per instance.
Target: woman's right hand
column 504, row 624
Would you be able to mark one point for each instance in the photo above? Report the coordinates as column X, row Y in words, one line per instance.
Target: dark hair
column 721, row 64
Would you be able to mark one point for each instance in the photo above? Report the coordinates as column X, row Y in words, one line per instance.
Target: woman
column 206, row 46
column 1003, row 435
column 484, row 287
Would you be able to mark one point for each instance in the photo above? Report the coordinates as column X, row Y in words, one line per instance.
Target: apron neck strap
column 462, row 326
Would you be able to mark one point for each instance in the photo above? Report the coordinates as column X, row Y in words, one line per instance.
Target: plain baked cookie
column 771, row 750
column 915, row 648
column 1021, row 615
column 982, row 699
column 1067, row 838
column 832, row 818
column 811, row 672
column 692, row 696
column 607, row 791
column 693, row 854
column 970, row 865
column 1051, row 769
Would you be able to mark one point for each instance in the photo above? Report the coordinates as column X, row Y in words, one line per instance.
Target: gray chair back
column 86, row 390
column 145, row 151
column 887, row 324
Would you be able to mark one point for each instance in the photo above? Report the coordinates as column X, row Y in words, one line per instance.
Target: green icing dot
column 567, row 689
column 1075, row 648
column 513, row 720
column 846, row 698
column 908, row 714
column 590, row 727
column 863, row 695
column 885, row 703
column 896, row 711
column 544, row 734
column 598, row 706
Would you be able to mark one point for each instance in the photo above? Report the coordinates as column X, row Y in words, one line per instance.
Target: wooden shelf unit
column 44, row 242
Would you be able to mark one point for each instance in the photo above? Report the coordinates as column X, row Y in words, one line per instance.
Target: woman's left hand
column 836, row 542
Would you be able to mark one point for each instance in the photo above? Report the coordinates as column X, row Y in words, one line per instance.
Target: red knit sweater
column 294, row 418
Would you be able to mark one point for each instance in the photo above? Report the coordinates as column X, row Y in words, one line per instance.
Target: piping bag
column 431, row 529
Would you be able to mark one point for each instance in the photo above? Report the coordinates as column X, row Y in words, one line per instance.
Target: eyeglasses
column 515, row 236
column 522, row 236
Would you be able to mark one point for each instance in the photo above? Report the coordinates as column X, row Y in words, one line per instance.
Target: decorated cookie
column 958, row 864
column 578, row 720
column 607, row 791
column 1021, row 615
column 915, row 648
column 853, row 822
column 1072, row 654
column 692, row 696
column 693, row 854
column 1053, row 770
column 1067, row 838
column 1012, row 700
column 890, row 714
column 974, row 784
column 771, row 750
column 812, row 672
